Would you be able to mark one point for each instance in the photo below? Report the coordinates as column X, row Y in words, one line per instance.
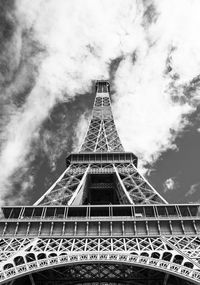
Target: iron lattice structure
column 101, row 222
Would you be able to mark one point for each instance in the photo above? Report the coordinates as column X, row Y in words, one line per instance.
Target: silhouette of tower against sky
column 101, row 222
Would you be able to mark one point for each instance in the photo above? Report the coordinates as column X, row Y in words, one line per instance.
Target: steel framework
column 101, row 222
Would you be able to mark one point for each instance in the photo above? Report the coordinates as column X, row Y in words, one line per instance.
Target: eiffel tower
column 101, row 222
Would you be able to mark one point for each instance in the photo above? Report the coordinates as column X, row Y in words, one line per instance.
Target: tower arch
column 129, row 261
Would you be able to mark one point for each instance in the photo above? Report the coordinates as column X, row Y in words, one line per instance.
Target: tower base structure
column 94, row 244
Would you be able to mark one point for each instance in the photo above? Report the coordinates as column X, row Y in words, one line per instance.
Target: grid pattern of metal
column 43, row 254
column 132, row 187
column 102, row 135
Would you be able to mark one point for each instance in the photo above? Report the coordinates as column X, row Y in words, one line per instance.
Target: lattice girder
column 190, row 245
column 9, row 247
column 102, row 274
column 68, row 184
column 45, row 253
column 132, row 186
column 102, row 135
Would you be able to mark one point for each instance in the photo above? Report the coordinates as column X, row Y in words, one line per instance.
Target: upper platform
column 102, row 86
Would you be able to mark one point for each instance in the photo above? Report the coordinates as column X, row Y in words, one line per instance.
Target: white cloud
column 79, row 39
column 150, row 119
column 170, row 184
column 193, row 189
column 80, row 131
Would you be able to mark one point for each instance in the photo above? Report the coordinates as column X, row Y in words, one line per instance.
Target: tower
column 101, row 222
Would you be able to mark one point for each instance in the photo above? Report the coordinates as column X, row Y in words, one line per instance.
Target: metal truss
column 104, row 272
column 9, row 247
column 98, row 273
column 131, row 186
column 67, row 186
column 102, row 135
column 137, row 187
column 46, row 253
column 189, row 245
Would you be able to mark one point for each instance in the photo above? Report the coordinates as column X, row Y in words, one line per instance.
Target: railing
column 99, row 170
column 141, row 211
column 172, row 268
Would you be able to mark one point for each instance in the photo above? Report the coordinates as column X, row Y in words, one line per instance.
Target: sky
column 51, row 53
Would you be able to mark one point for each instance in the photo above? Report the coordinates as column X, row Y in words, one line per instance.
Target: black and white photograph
column 99, row 142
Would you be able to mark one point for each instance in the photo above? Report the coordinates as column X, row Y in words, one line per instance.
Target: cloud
column 193, row 189
column 170, row 184
column 80, row 131
column 157, row 91
column 56, row 49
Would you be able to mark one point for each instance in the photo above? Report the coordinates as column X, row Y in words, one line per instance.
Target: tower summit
column 101, row 222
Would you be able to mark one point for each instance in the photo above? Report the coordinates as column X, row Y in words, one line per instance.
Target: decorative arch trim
column 180, row 271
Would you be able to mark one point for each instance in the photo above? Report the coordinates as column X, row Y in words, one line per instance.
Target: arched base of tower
column 100, row 273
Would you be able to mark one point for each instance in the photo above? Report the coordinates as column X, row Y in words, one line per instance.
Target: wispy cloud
column 80, row 131
column 193, row 189
column 157, row 91
column 55, row 49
